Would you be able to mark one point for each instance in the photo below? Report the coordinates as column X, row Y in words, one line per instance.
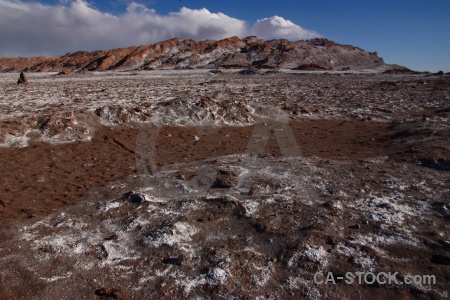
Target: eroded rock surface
column 233, row 52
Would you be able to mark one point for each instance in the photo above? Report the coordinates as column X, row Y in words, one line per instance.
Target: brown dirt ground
column 39, row 179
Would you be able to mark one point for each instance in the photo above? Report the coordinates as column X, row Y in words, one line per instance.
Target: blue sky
column 413, row 33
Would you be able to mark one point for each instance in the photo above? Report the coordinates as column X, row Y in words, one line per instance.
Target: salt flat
column 188, row 184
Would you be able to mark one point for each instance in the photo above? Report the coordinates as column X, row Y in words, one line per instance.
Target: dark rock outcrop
column 22, row 79
column 310, row 67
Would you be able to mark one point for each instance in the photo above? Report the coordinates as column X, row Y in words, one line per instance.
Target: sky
column 412, row 33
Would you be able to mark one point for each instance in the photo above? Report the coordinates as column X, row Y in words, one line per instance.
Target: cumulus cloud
column 32, row 28
column 278, row 27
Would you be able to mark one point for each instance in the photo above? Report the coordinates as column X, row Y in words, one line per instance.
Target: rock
column 334, row 205
column 117, row 114
column 134, row 197
column 310, row 67
column 245, row 191
column 98, row 251
column 225, row 179
column 57, row 123
column 47, row 249
column 444, row 243
column 402, row 134
column 435, row 163
column 106, row 292
column 331, row 240
column 174, row 261
column 430, row 243
column 248, row 72
column 155, row 236
column 224, row 182
column 112, row 237
column 385, row 110
column 22, row 79
column 440, row 259
column 64, row 72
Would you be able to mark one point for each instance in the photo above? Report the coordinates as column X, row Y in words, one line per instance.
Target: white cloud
column 278, row 27
column 32, row 28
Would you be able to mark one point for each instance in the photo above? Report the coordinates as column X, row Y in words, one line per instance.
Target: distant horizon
column 410, row 33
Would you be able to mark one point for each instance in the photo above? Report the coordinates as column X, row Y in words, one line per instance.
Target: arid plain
column 223, row 184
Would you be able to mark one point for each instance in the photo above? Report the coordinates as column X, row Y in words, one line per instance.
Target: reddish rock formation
column 232, row 52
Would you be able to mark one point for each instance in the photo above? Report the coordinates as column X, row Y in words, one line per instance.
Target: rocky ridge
column 177, row 53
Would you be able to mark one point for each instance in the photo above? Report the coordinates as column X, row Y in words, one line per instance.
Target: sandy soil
column 198, row 185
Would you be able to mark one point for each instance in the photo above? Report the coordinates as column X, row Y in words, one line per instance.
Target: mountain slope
column 185, row 53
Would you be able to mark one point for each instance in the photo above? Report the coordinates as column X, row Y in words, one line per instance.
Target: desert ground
column 203, row 184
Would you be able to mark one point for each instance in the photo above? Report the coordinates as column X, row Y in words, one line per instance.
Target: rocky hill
column 316, row 54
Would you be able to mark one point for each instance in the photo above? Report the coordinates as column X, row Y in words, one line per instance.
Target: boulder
column 22, row 79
